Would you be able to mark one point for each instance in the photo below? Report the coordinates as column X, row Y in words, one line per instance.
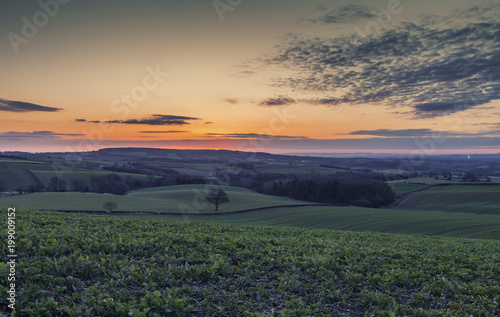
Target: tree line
column 110, row 183
column 359, row 189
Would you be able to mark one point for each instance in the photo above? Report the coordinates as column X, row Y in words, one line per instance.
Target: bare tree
column 217, row 196
column 110, row 206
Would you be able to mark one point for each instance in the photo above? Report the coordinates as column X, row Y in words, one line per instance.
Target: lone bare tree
column 110, row 206
column 217, row 196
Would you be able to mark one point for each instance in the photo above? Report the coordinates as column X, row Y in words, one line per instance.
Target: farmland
column 460, row 198
column 164, row 253
column 22, row 173
column 83, row 265
column 464, row 225
column 401, row 188
column 171, row 199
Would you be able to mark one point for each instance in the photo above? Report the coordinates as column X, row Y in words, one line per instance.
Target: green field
column 401, row 188
column 480, row 199
column 173, row 199
column 464, row 225
column 433, row 181
column 83, row 265
column 21, row 173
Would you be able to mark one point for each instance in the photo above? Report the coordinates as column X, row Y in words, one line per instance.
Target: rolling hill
column 170, row 199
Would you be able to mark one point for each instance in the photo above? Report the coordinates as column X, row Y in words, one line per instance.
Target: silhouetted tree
column 469, row 177
column 56, row 184
column 79, row 186
column 110, row 206
column 217, row 196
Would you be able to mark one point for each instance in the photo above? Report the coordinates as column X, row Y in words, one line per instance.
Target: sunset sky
column 292, row 76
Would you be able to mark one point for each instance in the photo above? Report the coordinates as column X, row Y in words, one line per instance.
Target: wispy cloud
column 80, row 120
column 160, row 132
column 20, row 106
column 405, row 133
column 278, row 101
column 35, row 135
column 232, row 101
column 347, row 14
column 255, row 136
column 158, row 119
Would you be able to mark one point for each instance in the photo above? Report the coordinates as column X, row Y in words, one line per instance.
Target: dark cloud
column 432, row 109
column 233, row 101
column 19, row 106
column 436, row 67
column 405, row 133
column 393, row 133
column 171, row 131
column 256, row 136
column 279, row 101
column 158, row 119
column 346, row 14
column 95, row 121
column 208, row 122
column 80, row 120
column 35, row 134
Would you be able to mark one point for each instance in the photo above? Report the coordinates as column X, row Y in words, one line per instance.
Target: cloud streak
column 255, row 136
column 419, row 133
column 278, row 101
column 158, row 119
column 20, row 106
column 35, row 135
column 160, row 132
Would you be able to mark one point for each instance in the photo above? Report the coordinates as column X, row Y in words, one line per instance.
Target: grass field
column 83, row 265
column 174, row 199
column 464, row 225
column 22, row 173
column 461, row 198
column 401, row 188
column 433, row 181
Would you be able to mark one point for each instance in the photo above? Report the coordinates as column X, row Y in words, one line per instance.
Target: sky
column 317, row 76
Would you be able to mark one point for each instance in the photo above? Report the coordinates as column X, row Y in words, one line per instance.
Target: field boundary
column 121, row 213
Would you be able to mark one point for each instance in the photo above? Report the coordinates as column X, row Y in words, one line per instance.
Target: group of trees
column 367, row 190
column 110, row 183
